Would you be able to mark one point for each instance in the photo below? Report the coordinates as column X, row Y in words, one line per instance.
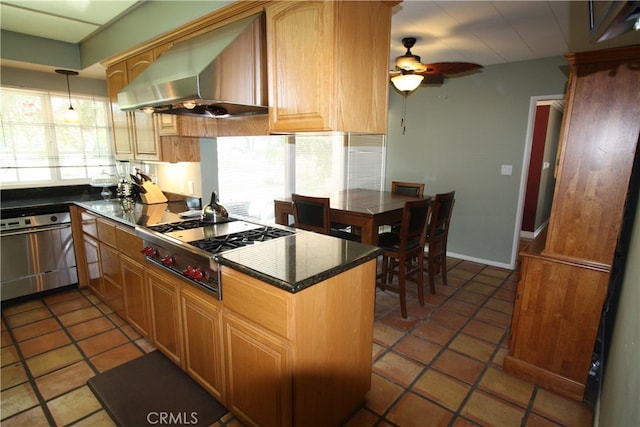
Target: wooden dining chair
column 313, row 214
column 437, row 236
column 407, row 188
column 405, row 251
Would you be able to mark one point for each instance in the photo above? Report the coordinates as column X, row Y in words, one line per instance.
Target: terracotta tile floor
column 441, row 366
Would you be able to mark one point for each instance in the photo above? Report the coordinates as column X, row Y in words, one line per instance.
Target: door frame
column 526, row 160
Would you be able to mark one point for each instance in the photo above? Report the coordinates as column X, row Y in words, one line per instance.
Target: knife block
column 153, row 194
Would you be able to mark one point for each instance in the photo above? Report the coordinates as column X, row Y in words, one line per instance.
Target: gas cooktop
column 216, row 237
column 188, row 251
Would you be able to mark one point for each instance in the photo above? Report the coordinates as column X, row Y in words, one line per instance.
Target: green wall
column 147, row 21
column 143, row 23
column 457, row 137
column 29, row 79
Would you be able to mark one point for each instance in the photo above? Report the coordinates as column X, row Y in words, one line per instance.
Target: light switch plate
column 506, row 170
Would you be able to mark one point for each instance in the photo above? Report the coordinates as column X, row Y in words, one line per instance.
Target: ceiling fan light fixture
column 71, row 115
column 407, row 82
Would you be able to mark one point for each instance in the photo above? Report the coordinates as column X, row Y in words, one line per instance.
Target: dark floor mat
column 151, row 390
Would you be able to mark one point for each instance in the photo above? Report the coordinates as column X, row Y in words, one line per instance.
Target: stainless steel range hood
column 222, row 72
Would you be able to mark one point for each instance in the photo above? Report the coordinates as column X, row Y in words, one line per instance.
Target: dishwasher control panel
column 25, row 222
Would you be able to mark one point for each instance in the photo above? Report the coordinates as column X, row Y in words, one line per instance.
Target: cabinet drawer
column 261, row 303
column 129, row 243
column 106, row 232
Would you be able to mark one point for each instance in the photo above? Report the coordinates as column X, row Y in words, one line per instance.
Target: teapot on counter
column 214, row 212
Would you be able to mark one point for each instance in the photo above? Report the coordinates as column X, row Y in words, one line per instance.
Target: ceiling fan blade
column 451, row 68
column 432, row 79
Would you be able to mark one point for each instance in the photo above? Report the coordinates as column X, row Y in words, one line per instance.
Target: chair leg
column 420, row 280
column 443, row 267
column 432, row 274
column 391, row 270
column 383, row 273
column 401, row 288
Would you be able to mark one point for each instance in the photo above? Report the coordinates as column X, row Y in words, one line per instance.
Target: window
column 38, row 148
column 254, row 171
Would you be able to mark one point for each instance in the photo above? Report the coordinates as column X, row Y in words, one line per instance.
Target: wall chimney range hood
column 217, row 74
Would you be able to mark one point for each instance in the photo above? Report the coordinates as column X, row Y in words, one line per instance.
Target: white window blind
column 37, row 147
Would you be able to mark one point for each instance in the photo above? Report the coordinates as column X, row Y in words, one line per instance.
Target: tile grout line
column 445, row 347
column 30, row 378
column 23, row 361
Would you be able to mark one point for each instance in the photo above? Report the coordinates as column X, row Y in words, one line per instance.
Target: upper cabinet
column 328, row 66
column 137, row 135
column 327, row 71
column 120, row 120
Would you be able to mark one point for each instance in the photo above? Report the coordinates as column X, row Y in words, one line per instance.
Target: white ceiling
column 483, row 32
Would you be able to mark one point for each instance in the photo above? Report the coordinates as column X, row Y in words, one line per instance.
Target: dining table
column 364, row 209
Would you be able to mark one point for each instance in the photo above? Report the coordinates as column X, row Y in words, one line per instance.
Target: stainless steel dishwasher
column 37, row 254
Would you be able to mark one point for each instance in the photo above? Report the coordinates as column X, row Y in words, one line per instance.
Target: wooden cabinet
column 180, row 149
column 137, row 135
column 273, row 357
column 145, row 138
column 120, row 120
column 165, row 314
column 259, row 373
column 566, row 270
column 187, row 126
column 91, row 252
column 328, row 66
column 203, row 345
column 287, row 354
column 136, row 295
column 87, row 250
column 111, row 278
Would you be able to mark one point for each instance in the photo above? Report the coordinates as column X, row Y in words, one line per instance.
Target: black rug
column 151, row 390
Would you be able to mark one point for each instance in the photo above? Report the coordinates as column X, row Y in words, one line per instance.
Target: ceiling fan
column 411, row 73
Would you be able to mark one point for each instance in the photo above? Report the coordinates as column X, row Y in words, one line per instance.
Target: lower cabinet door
column 165, row 316
column 94, row 272
column 260, row 395
column 203, row 351
column 112, row 278
column 136, row 298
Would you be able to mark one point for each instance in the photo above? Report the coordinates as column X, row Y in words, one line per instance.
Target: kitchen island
column 288, row 339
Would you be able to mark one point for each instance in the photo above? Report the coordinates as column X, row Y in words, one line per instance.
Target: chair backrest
column 311, row 213
column 407, row 188
column 415, row 217
column 441, row 215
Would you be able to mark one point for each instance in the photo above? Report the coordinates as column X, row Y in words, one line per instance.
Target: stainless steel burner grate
column 240, row 239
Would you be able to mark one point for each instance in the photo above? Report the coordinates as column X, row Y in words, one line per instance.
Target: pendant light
column 71, row 116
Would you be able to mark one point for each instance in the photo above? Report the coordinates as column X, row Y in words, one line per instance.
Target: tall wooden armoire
column 566, row 270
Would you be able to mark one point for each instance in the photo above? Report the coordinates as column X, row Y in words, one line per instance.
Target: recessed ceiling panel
column 42, row 25
column 68, row 21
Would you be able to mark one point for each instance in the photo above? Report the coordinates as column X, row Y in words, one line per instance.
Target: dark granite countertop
column 32, row 201
column 128, row 212
column 298, row 261
column 291, row 263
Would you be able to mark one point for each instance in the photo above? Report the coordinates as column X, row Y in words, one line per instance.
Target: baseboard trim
column 482, row 261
